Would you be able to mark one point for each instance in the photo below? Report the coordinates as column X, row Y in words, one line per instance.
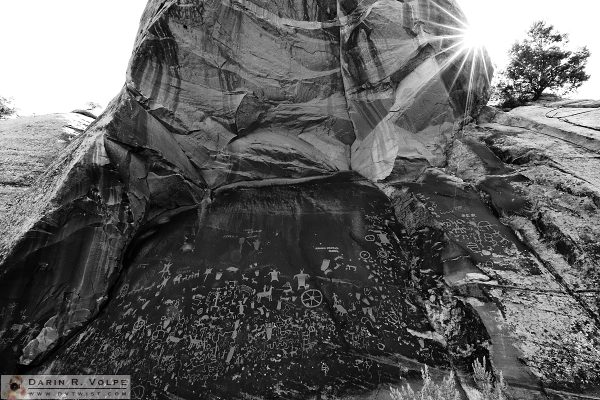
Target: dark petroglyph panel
column 469, row 223
column 296, row 297
column 519, row 299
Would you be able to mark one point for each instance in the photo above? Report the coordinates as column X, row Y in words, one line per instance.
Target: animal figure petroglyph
column 337, row 305
column 340, row 309
column 265, row 294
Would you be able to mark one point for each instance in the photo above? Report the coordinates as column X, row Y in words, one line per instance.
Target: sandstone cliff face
column 280, row 204
column 243, row 85
column 539, row 175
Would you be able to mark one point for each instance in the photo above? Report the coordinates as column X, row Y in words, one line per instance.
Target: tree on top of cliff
column 6, row 108
column 541, row 62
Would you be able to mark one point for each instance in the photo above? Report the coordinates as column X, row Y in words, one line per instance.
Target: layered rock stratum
column 284, row 201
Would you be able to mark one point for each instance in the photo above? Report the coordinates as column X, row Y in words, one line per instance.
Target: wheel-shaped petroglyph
column 312, row 298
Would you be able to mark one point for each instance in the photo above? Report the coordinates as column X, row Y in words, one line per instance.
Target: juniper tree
column 542, row 62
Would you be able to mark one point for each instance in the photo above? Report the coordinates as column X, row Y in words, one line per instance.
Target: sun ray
column 451, row 61
column 459, row 44
column 460, row 68
column 442, row 37
column 456, row 54
column 469, row 88
column 465, row 46
column 450, row 14
column 484, row 63
column 454, row 28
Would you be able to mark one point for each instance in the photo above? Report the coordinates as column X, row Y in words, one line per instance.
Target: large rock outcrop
column 281, row 203
column 539, row 175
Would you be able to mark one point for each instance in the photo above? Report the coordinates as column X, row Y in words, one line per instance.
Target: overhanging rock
column 221, row 220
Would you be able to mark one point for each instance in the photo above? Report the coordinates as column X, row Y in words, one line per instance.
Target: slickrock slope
column 580, row 116
column 28, row 145
column 541, row 178
column 280, row 204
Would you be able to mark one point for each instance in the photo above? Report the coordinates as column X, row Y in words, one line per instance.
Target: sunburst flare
column 463, row 45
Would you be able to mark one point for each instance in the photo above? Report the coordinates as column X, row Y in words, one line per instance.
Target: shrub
column 6, row 108
column 446, row 390
column 490, row 388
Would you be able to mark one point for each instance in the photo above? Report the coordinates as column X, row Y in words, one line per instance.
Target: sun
column 464, row 46
column 473, row 37
column 468, row 37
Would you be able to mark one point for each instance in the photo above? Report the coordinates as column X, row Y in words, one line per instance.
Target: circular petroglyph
column 139, row 324
column 312, row 298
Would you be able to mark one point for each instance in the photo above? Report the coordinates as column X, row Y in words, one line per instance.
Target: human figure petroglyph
column 166, row 270
column 301, row 279
column 335, row 298
column 241, row 307
column 269, row 329
column 217, row 295
column 274, row 275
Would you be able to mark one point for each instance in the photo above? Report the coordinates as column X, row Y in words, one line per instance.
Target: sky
column 58, row 55
column 499, row 23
